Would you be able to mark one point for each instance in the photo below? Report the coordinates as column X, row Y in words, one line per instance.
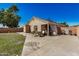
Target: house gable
column 37, row 21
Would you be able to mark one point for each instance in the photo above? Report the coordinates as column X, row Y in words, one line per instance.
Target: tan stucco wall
column 37, row 22
column 75, row 30
column 24, row 29
column 78, row 31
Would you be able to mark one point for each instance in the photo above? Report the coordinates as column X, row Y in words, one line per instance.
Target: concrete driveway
column 64, row 45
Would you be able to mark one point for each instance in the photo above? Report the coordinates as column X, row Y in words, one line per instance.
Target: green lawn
column 11, row 44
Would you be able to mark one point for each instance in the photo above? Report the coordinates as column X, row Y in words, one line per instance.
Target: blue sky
column 57, row 12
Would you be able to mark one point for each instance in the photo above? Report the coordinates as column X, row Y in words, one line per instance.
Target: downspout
column 48, row 29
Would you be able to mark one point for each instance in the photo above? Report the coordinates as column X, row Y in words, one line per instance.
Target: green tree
column 13, row 9
column 64, row 23
column 2, row 17
column 9, row 16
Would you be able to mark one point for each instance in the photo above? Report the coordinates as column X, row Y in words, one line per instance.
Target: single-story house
column 1, row 26
column 39, row 24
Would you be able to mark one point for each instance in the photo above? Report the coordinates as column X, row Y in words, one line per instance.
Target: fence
column 10, row 30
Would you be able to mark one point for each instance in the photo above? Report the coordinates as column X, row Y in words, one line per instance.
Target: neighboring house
column 38, row 24
column 1, row 26
column 65, row 30
column 74, row 30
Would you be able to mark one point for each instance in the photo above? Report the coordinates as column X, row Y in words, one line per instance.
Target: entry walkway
column 64, row 45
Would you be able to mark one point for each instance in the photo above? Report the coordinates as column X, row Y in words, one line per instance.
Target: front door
column 28, row 30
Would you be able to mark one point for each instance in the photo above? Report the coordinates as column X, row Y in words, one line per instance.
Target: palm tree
column 14, row 8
